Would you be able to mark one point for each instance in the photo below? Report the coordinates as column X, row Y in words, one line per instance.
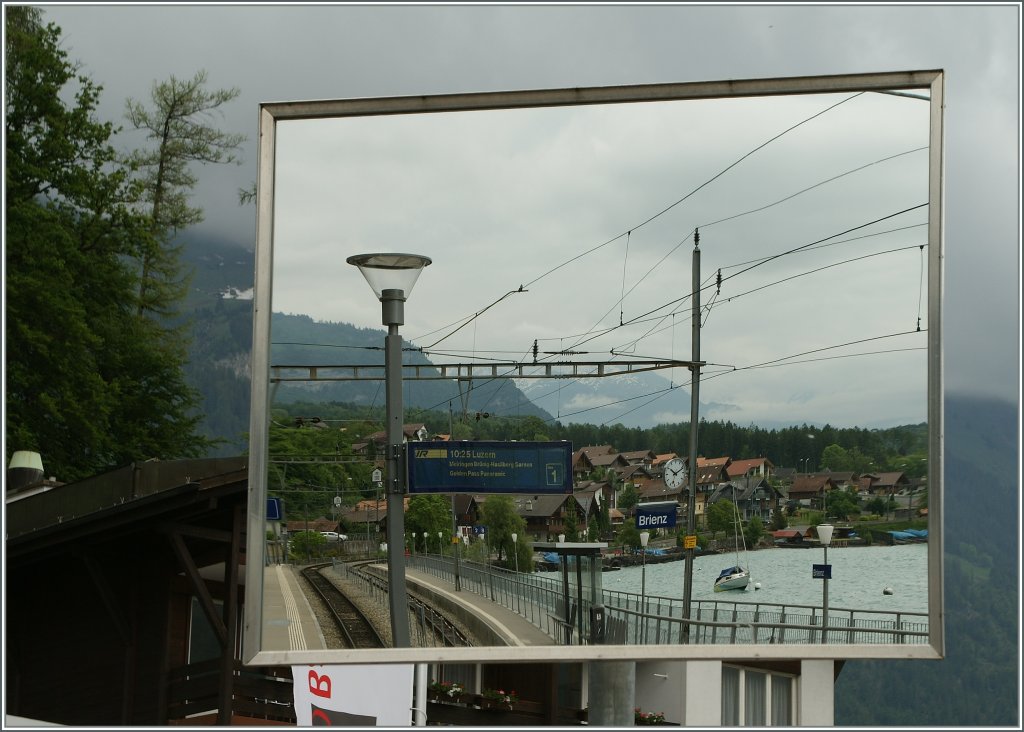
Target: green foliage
column 778, row 522
column 842, row 504
column 177, row 126
column 572, row 521
column 593, row 530
column 721, row 516
column 304, row 545
column 89, row 385
column 499, row 515
column 317, row 464
column 629, row 536
column 753, row 531
column 433, row 514
column 628, row 498
column 876, row 505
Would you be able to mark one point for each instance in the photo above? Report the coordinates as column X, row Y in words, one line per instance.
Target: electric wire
column 816, row 185
column 668, row 208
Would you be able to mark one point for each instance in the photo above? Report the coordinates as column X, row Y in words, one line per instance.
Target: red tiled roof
column 740, row 467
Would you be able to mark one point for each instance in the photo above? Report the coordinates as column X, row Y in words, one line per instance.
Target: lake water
column 859, row 575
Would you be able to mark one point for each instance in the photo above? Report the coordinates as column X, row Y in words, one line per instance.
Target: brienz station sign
column 490, row 467
column 661, row 515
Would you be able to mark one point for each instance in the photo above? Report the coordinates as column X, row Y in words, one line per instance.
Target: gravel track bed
column 377, row 612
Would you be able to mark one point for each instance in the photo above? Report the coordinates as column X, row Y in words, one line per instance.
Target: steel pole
column 643, row 595
column 393, row 309
column 691, row 506
column 824, row 600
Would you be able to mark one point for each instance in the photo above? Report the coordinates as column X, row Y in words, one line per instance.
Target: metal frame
column 270, row 114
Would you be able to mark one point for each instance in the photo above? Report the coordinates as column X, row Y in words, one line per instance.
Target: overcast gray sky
column 499, row 204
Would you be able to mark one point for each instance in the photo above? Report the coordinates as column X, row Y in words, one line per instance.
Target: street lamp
column 515, row 551
column 644, row 538
column 392, row 277
column 439, row 548
column 825, row 537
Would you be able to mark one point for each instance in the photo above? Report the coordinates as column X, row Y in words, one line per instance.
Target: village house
column 753, row 495
column 643, row 458
column 711, row 472
column 754, row 466
column 656, row 491
column 888, row 484
column 582, row 459
column 544, row 514
column 810, row 490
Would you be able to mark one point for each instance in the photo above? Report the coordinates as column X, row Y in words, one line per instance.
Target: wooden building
column 125, row 601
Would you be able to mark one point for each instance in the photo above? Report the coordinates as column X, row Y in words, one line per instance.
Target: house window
column 755, row 698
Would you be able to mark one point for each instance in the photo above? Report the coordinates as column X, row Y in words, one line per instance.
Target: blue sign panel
column 660, row 515
column 821, row 571
column 273, row 509
column 490, row 467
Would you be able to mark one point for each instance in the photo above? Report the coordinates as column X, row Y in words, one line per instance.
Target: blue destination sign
column 660, row 515
column 490, row 467
column 273, row 509
column 821, row 571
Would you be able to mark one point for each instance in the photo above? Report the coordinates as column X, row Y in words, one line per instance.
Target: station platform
column 289, row 623
column 288, row 620
column 504, row 626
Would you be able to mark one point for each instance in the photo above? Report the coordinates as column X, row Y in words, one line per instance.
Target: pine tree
column 178, row 128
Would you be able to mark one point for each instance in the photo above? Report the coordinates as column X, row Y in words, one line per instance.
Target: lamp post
column 825, row 537
column 392, row 277
column 439, row 548
column 644, row 538
column 515, row 552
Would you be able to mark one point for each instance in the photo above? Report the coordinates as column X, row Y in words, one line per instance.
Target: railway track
column 430, row 627
column 358, row 631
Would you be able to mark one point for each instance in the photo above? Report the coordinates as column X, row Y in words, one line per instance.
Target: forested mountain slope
column 977, row 682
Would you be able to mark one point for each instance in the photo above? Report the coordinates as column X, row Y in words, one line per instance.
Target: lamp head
column 561, row 538
column 645, row 536
column 515, row 538
column 825, row 534
column 390, row 271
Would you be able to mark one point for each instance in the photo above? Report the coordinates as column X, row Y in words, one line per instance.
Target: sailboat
column 735, row 577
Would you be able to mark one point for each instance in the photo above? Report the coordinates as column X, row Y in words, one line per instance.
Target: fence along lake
column 859, row 576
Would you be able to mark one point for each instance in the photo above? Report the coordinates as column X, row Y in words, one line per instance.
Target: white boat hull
column 735, row 581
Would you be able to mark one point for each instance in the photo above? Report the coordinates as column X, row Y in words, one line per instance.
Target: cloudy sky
column 500, row 199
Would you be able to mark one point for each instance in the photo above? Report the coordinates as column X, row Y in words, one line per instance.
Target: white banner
column 353, row 695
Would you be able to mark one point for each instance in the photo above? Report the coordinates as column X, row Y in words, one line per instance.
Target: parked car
column 334, row 536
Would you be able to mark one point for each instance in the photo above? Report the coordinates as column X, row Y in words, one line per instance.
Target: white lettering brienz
column 653, row 520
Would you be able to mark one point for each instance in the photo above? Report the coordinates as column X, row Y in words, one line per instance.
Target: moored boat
column 733, row 578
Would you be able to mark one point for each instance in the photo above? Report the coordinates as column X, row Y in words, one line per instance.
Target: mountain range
column 220, row 307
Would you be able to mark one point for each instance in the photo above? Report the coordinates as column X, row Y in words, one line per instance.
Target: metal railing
column 652, row 620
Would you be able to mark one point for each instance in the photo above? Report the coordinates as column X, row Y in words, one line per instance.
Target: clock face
column 675, row 473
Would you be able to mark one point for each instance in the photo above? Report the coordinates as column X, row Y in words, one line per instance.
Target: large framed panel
column 818, row 203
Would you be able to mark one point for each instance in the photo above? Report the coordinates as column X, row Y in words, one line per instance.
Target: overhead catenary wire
column 623, row 322
column 628, row 232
